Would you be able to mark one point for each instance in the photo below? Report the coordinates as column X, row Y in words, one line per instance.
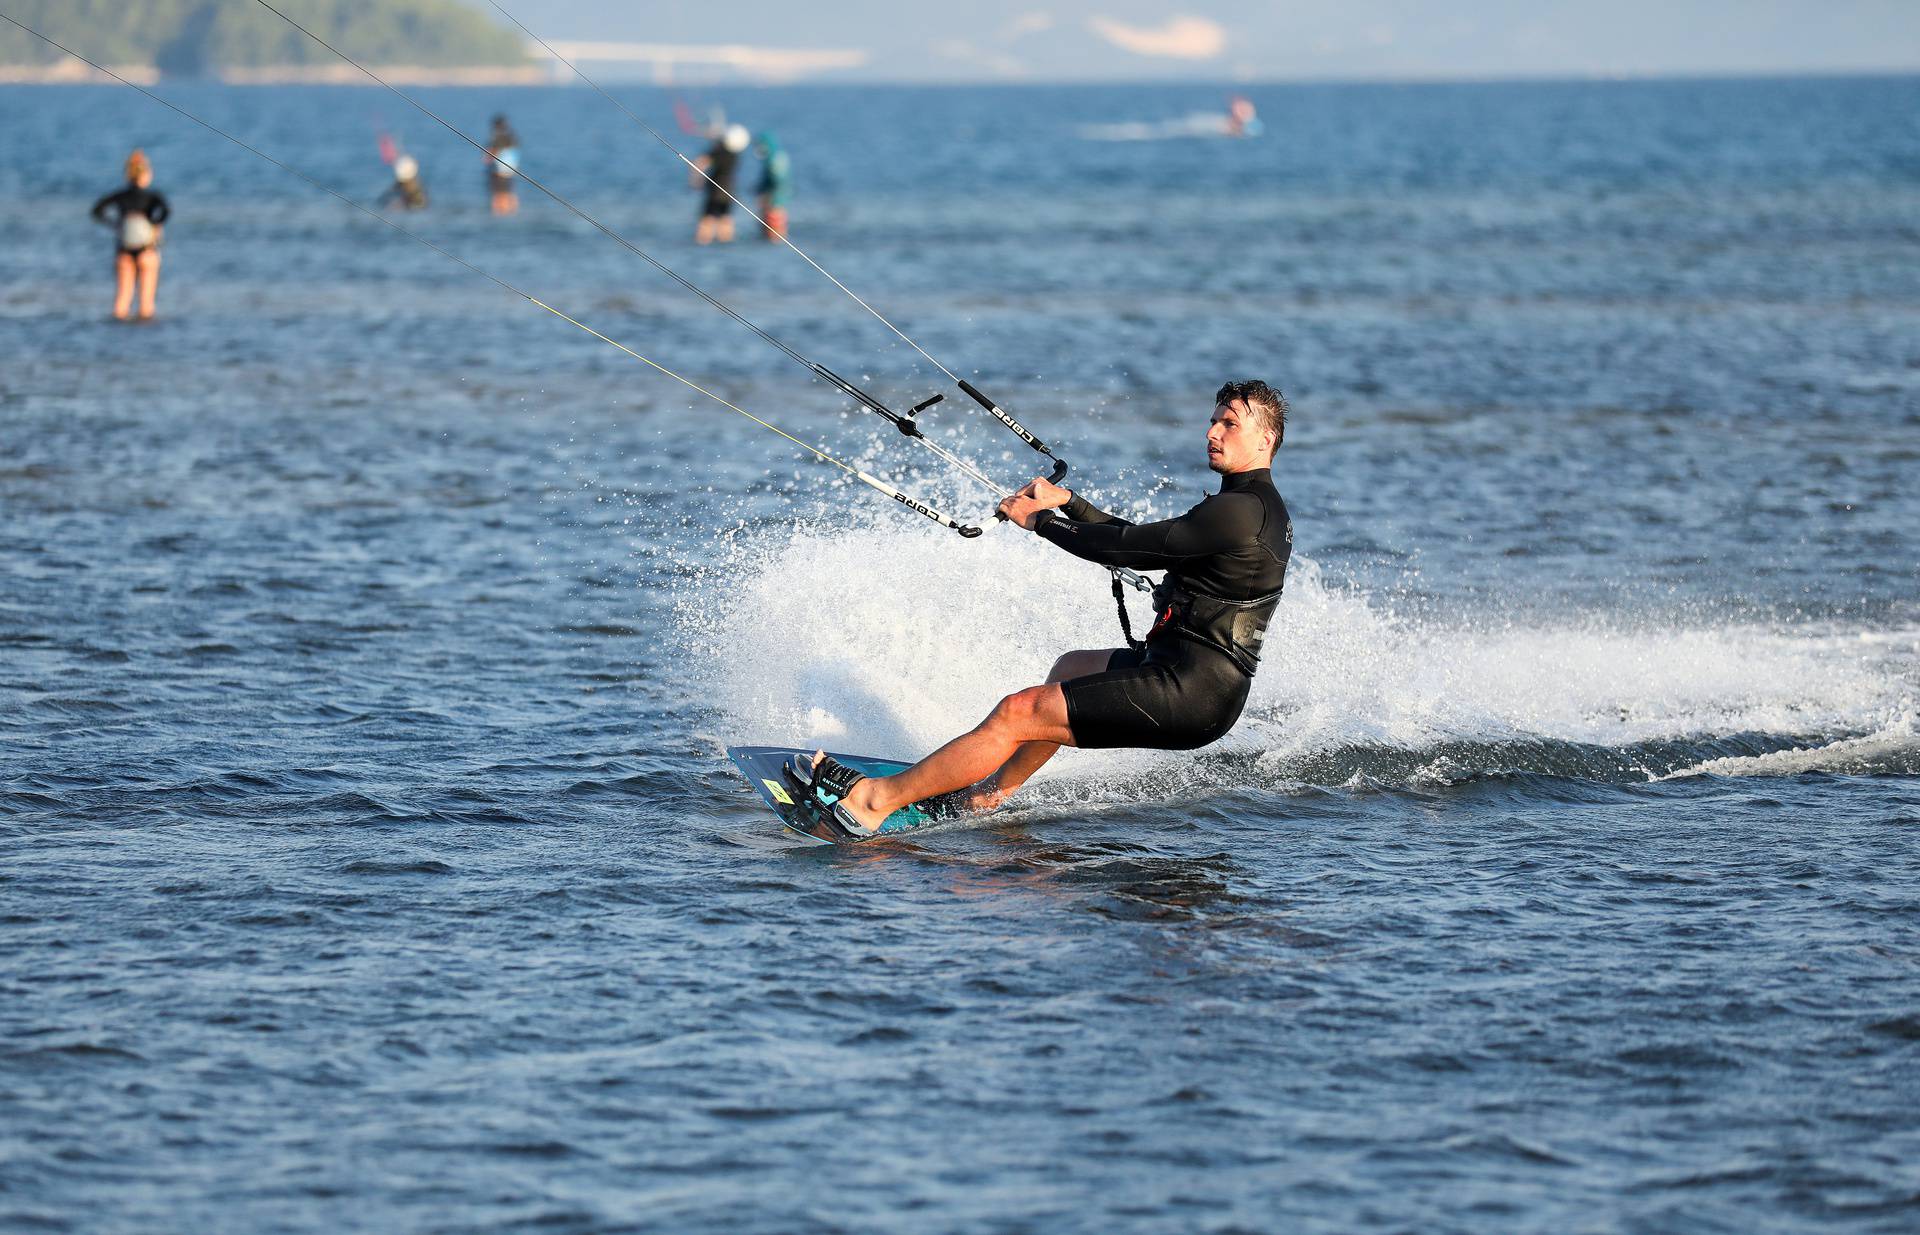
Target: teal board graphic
column 761, row 766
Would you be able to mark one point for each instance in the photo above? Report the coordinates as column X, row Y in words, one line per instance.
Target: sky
column 1259, row 40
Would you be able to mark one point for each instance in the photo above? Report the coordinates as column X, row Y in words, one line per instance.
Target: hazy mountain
column 197, row 37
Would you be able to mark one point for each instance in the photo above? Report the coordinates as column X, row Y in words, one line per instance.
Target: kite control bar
column 1122, row 577
column 1019, row 431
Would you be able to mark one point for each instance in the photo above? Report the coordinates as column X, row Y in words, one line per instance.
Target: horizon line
column 519, row 78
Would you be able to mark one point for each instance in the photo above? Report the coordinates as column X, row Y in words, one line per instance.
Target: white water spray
column 863, row 639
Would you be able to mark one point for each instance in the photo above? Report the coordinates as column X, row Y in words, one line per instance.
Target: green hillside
column 193, row 37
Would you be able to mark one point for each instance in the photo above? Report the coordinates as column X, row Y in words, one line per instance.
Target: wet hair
column 1266, row 405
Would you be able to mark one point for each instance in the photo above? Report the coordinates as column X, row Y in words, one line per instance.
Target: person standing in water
column 136, row 215
column 714, row 172
column 1242, row 121
column 407, row 190
column 503, row 162
column 776, row 186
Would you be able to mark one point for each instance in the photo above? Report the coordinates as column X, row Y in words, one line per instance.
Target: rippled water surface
column 369, row 640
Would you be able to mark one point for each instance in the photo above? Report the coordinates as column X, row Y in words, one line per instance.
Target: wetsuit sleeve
column 1080, row 510
column 100, row 207
column 158, row 210
column 1223, row 522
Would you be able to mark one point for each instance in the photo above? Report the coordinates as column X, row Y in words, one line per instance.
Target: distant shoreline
column 74, row 73
column 70, row 73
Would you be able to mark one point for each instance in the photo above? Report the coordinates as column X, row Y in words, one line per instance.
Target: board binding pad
column 761, row 765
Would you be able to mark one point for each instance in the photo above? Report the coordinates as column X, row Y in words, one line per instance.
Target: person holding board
column 1181, row 688
column 503, row 164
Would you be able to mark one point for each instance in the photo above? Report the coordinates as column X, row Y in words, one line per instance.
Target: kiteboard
column 762, row 765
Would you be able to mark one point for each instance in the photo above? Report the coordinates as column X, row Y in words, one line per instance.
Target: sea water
column 369, row 640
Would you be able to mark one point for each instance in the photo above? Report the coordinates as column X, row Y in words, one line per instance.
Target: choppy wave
column 876, row 638
column 1894, row 751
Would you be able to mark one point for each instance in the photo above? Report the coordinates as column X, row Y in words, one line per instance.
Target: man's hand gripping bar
column 1019, row 431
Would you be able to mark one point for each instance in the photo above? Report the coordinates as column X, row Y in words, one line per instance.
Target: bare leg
column 703, row 231
column 725, row 229
column 1037, row 714
column 1030, row 757
column 122, row 285
column 149, row 265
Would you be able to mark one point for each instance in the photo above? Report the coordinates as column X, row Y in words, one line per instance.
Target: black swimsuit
column 1182, row 690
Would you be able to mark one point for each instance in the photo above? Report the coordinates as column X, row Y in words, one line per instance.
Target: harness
column 1237, row 628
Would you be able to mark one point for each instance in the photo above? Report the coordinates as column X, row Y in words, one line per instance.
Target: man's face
column 1235, row 442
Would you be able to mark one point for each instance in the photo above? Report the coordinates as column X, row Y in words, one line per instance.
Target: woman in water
column 503, row 160
column 137, row 213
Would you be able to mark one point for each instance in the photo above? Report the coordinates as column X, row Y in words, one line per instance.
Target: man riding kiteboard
column 1181, row 688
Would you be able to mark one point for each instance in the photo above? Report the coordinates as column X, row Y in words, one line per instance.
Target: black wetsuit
column 1226, row 560
column 128, row 201
column 721, row 165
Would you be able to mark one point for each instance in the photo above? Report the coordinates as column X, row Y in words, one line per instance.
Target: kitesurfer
column 1242, row 120
column 713, row 171
column 1183, row 687
column 503, row 161
column 776, row 185
column 137, row 213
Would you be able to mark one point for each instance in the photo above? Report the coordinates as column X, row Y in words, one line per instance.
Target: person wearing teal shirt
column 776, row 185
